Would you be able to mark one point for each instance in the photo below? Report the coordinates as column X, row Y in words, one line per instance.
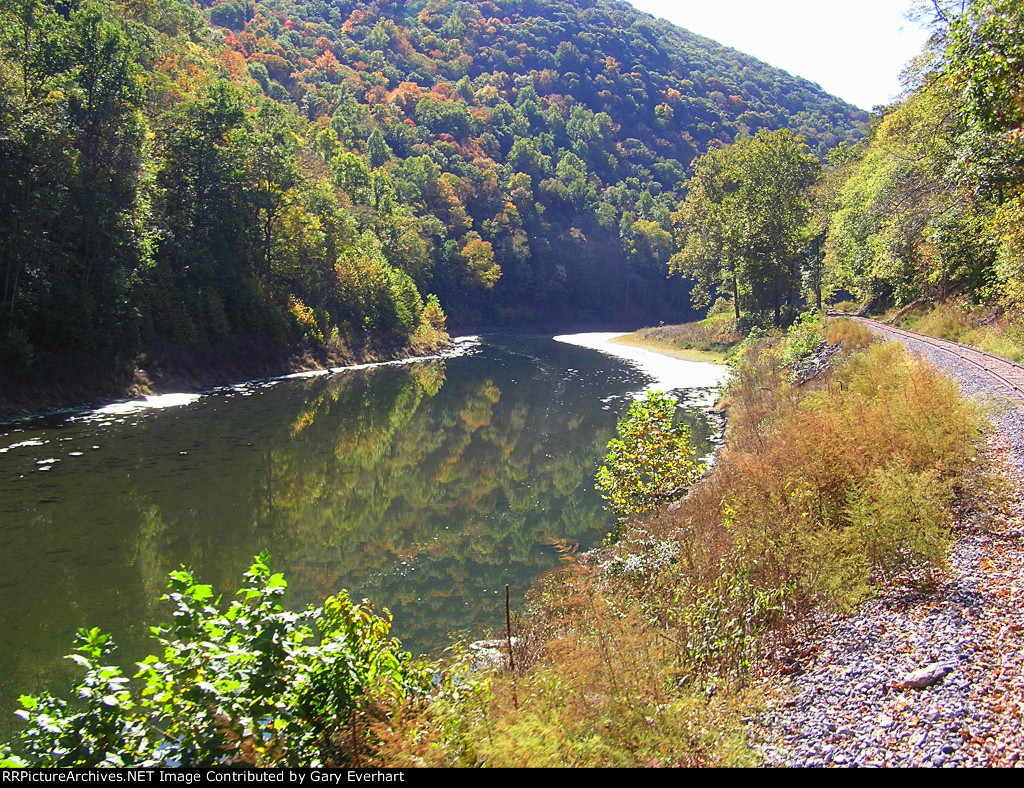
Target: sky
column 854, row 50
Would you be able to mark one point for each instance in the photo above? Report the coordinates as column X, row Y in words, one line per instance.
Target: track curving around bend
column 1007, row 374
column 841, row 707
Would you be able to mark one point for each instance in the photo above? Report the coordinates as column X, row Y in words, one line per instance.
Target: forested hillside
column 182, row 178
column 927, row 208
column 930, row 204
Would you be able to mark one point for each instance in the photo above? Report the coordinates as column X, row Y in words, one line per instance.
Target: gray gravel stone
column 974, row 620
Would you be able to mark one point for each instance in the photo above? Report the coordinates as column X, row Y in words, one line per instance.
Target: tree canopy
column 191, row 175
column 742, row 227
column 930, row 203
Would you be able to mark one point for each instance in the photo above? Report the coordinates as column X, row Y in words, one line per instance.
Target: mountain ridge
column 304, row 172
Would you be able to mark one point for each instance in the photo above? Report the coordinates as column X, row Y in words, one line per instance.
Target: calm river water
column 424, row 487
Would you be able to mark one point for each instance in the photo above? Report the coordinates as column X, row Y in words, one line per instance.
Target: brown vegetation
column 709, row 339
column 990, row 329
column 638, row 654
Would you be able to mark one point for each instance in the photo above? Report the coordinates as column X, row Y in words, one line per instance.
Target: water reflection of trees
column 430, row 492
column 434, row 495
column 421, row 487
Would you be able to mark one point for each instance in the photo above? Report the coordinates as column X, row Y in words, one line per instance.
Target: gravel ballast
column 854, row 700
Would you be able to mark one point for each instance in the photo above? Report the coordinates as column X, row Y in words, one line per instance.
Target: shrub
column 636, row 655
column 985, row 329
column 601, row 690
column 900, row 517
column 650, row 462
column 819, row 493
column 253, row 684
column 754, row 320
column 849, row 334
column 722, row 306
column 714, row 334
column 803, row 338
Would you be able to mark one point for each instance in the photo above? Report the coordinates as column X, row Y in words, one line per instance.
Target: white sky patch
column 856, row 51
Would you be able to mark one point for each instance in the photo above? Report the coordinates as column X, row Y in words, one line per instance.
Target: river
column 425, row 487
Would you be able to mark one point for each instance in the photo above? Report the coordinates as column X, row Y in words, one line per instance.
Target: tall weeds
column 638, row 654
column 987, row 329
column 715, row 334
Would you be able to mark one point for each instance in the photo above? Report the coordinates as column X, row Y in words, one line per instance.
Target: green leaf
column 201, row 592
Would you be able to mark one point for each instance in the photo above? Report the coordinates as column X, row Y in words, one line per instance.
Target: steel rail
column 944, row 344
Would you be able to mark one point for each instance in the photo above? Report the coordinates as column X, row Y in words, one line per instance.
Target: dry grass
column 817, row 496
column 637, row 655
column 597, row 688
column 989, row 329
column 710, row 339
column 849, row 334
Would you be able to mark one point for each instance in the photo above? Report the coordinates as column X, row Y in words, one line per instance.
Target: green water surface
column 424, row 487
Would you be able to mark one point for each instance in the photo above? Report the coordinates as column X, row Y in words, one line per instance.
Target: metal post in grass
column 508, row 630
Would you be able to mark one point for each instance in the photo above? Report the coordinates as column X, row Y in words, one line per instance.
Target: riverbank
column 664, row 370
column 665, row 348
column 649, row 651
column 710, row 340
column 171, row 370
column 845, row 691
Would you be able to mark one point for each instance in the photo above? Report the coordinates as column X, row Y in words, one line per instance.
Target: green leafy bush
column 651, row 461
column 803, row 337
column 252, row 684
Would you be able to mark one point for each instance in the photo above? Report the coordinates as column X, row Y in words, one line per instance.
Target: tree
column 986, row 64
column 352, row 173
column 74, row 215
column 378, row 149
column 985, row 48
column 272, row 148
column 481, row 269
column 906, row 220
column 650, row 462
column 742, row 224
column 778, row 172
column 706, row 232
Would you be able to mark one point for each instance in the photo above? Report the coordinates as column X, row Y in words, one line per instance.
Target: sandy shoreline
column 667, row 372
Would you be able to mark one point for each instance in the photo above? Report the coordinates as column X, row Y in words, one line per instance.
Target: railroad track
column 1009, row 374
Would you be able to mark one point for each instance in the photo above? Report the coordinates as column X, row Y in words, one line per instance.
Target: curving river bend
column 424, row 487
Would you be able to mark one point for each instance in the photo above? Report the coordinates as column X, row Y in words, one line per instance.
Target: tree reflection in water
column 424, row 488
